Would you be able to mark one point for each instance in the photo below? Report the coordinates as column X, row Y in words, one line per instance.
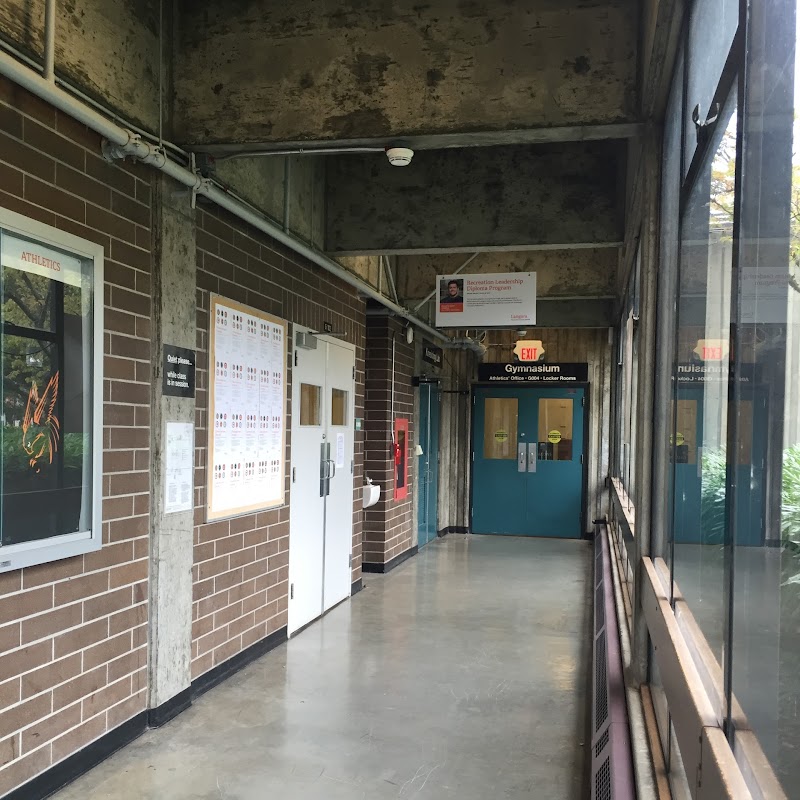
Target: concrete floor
column 463, row 673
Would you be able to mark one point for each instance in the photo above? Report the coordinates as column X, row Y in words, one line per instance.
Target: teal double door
column 527, row 474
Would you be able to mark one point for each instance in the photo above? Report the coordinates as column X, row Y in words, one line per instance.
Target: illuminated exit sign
column 711, row 349
column 529, row 350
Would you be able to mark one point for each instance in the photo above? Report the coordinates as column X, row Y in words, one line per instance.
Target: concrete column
column 172, row 539
column 648, row 358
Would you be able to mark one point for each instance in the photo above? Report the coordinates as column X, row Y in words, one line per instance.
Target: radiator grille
column 602, row 781
column 612, row 769
column 600, row 685
column 601, row 743
column 600, row 610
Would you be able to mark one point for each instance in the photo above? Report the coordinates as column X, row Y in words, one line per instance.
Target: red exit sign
column 529, row 349
column 711, row 349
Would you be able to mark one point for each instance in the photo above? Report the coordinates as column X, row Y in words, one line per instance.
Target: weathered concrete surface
column 559, row 273
column 311, row 70
column 262, row 181
column 109, row 48
column 172, row 535
column 455, row 425
column 510, row 197
column 367, row 268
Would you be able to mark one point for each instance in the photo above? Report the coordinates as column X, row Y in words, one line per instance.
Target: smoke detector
column 399, row 156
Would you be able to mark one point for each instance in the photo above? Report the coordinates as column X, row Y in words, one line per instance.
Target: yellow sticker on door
column 501, row 436
column 554, row 437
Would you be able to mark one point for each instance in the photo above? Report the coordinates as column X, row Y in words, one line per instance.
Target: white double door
column 321, row 510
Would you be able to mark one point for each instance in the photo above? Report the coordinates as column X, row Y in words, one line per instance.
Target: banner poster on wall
column 481, row 301
column 247, row 410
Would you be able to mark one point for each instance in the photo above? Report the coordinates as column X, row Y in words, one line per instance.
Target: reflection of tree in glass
column 27, row 303
column 723, row 176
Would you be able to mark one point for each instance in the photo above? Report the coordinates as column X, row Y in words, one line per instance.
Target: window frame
column 43, row 551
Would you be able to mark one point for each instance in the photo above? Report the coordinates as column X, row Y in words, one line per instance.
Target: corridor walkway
column 462, row 674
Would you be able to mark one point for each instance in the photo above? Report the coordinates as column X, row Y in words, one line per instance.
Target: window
column 500, row 428
column 51, row 420
column 338, row 407
column 555, row 429
column 731, row 237
column 310, row 404
column 700, row 432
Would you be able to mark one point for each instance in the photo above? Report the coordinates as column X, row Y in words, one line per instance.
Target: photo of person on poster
column 450, row 295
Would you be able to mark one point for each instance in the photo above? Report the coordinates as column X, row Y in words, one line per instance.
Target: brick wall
column 241, row 571
column 388, row 526
column 73, row 633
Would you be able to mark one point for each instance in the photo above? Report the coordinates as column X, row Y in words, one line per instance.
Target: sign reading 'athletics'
column 533, row 373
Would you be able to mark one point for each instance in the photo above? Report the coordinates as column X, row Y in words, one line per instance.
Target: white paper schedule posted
column 248, row 408
column 179, row 468
column 492, row 300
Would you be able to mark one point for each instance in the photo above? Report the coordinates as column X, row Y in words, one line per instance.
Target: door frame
column 586, row 386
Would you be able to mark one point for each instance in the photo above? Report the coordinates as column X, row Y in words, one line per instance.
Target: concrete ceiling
column 518, row 110
column 256, row 72
column 490, row 198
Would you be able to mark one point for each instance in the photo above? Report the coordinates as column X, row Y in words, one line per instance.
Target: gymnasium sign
column 716, row 372
column 555, row 372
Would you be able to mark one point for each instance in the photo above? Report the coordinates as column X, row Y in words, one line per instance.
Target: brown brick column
column 388, row 526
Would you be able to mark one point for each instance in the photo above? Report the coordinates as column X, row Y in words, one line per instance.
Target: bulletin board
column 246, row 410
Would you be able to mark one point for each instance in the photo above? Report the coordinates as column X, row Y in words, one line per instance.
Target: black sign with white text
column 178, row 369
column 432, row 355
column 699, row 372
column 518, row 373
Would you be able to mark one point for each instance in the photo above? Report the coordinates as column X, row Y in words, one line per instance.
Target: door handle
column 333, row 467
column 532, row 456
column 521, row 457
column 324, row 472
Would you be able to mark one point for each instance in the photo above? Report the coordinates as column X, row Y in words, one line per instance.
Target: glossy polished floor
column 461, row 674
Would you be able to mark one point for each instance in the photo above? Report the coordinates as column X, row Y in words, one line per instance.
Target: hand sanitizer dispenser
column 371, row 495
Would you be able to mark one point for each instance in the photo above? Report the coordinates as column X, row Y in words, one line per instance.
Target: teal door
column 428, row 463
column 701, row 466
column 527, row 475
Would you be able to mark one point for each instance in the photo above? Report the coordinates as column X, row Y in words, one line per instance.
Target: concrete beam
column 442, row 141
column 508, row 198
column 559, row 273
column 307, row 71
column 108, row 48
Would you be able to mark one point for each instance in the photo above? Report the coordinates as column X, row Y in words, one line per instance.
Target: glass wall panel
column 766, row 574
column 712, row 26
column 701, row 371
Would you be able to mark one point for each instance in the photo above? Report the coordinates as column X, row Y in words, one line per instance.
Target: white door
column 307, row 509
column 339, row 503
column 321, row 510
